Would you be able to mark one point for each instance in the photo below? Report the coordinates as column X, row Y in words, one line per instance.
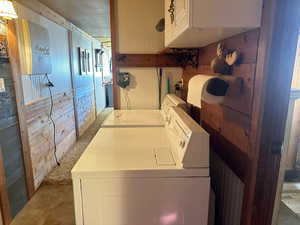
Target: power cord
column 50, row 85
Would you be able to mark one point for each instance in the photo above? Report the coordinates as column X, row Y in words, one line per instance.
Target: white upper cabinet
column 197, row 23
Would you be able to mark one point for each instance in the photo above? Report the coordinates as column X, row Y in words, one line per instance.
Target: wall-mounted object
column 4, row 58
column 212, row 89
column 88, row 60
column 84, row 59
column 197, row 23
column 123, row 79
column 160, row 26
column 225, row 59
column 186, row 56
column 35, row 51
column 98, row 59
column 7, row 10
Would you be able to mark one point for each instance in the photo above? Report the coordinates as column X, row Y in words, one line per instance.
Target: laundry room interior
column 161, row 112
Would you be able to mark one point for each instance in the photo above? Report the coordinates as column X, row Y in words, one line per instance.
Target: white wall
column 34, row 88
column 143, row 91
column 136, row 20
column 99, row 88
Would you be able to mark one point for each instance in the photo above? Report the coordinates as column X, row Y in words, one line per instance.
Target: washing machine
column 142, row 118
column 145, row 175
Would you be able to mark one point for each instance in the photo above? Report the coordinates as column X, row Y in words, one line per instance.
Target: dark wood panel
column 146, row 60
column 236, row 160
column 232, row 125
column 276, row 58
column 245, row 43
column 114, row 47
column 229, row 124
column 232, row 119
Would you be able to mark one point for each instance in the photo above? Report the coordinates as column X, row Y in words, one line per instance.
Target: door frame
column 114, row 47
column 276, row 56
column 14, row 58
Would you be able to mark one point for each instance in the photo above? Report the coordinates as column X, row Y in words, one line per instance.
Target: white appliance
column 142, row 118
column 145, row 175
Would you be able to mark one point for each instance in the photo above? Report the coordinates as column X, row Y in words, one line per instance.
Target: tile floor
column 291, row 197
column 51, row 205
column 62, row 173
column 287, row 217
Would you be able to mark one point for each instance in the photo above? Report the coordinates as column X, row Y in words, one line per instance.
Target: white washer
column 142, row 118
column 145, row 175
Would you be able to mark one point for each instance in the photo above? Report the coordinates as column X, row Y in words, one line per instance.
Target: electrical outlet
column 2, row 85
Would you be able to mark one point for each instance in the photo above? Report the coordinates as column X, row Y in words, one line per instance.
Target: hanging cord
column 159, row 78
column 51, row 85
column 127, row 99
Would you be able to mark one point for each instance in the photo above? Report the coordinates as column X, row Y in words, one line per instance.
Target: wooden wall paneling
column 114, row 49
column 232, row 119
column 41, row 132
column 235, row 127
column 244, row 43
column 147, row 60
column 229, row 124
column 83, row 85
column 86, row 115
column 15, row 63
column 276, row 59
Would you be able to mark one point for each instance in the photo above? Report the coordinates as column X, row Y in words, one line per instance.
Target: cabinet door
column 181, row 15
column 169, row 25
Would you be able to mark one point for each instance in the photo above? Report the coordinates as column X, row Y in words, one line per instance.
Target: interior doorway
column 287, row 207
column 107, row 80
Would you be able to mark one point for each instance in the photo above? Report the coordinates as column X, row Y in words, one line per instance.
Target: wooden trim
column 114, row 47
column 71, row 56
column 16, row 73
column 5, row 205
column 147, row 60
column 276, row 56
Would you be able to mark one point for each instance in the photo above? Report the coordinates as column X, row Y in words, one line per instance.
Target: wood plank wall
column 83, row 84
column 232, row 119
column 40, row 131
column 230, row 123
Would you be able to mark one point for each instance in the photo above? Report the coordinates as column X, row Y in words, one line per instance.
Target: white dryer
column 145, row 175
column 142, row 118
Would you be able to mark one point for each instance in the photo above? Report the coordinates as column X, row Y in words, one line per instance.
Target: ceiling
column 92, row 16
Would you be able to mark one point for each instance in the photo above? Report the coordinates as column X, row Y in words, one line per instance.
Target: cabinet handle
column 171, row 10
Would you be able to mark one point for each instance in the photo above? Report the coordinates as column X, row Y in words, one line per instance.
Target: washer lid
column 134, row 118
column 133, row 162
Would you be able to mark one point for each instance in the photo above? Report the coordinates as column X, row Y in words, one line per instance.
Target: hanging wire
column 50, row 85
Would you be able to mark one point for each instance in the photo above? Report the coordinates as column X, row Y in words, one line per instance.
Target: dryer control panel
column 190, row 142
column 170, row 101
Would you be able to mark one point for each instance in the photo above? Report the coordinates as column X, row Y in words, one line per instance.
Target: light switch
column 2, row 85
